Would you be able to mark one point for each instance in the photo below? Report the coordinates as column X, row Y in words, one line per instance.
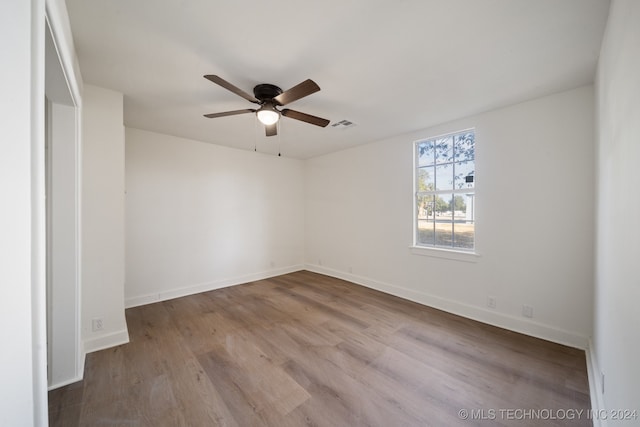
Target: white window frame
column 453, row 253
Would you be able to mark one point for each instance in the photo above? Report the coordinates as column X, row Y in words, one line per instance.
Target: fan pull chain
column 279, row 137
column 255, row 133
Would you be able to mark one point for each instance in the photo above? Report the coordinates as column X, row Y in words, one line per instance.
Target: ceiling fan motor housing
column 266, row 91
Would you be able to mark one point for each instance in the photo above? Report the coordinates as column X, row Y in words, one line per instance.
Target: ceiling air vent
column 343, row 124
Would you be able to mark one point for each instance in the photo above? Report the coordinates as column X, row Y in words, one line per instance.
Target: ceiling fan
column 268, row 97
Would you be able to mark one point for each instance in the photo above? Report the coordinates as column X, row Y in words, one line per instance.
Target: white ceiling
column 389, row 66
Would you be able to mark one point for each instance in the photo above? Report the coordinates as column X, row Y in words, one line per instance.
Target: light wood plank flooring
column 306, row 349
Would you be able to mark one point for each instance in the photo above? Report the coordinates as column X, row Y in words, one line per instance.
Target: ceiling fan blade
column 271, row 130
column 225, row 84
column 301, row 90
column 292, row 114
column 229, row 113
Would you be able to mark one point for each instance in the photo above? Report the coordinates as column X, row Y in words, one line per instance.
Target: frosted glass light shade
column 268, row 117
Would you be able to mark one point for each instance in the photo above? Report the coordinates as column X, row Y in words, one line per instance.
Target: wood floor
column 306, row 349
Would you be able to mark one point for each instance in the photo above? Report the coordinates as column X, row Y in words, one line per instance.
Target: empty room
column 356, row 213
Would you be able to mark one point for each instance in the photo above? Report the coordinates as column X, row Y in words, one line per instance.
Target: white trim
column 57, row 20
column 78, row 303
column 595, row 387
column 512, row 323
column 82, row 356
column 48, row 241
column 208, row 286
column 38, row 219
column 109, row 340
column 445, row 253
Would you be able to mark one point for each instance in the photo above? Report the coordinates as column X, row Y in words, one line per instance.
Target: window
column 445, row 191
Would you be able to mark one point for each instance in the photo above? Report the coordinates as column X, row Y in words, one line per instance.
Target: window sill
column 445, row 253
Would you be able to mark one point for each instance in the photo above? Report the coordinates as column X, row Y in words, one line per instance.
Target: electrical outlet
column 527, row 311
column 491, row 302
column 97, row 324
column 350, row 270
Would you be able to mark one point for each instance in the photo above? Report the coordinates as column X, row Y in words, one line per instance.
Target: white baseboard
column 209, row 286
column 595, row 387
column 101, row 342
column 81, row 361
column 516, row 324
column 78, row 376
column 64, row 383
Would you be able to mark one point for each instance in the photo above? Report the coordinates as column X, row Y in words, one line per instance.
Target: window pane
column 444, row 228
column 441, row 205
column 464, row 225
column 464, row 235
column 459, row 208
column 425, row 153
column 465, row 172
column 464, row 146
column 443, row 220
column 444, row 150
column 425, row 207
column 426, row 179
column 444, row 177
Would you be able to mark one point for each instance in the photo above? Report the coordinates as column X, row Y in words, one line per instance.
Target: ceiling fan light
column 268, row 117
